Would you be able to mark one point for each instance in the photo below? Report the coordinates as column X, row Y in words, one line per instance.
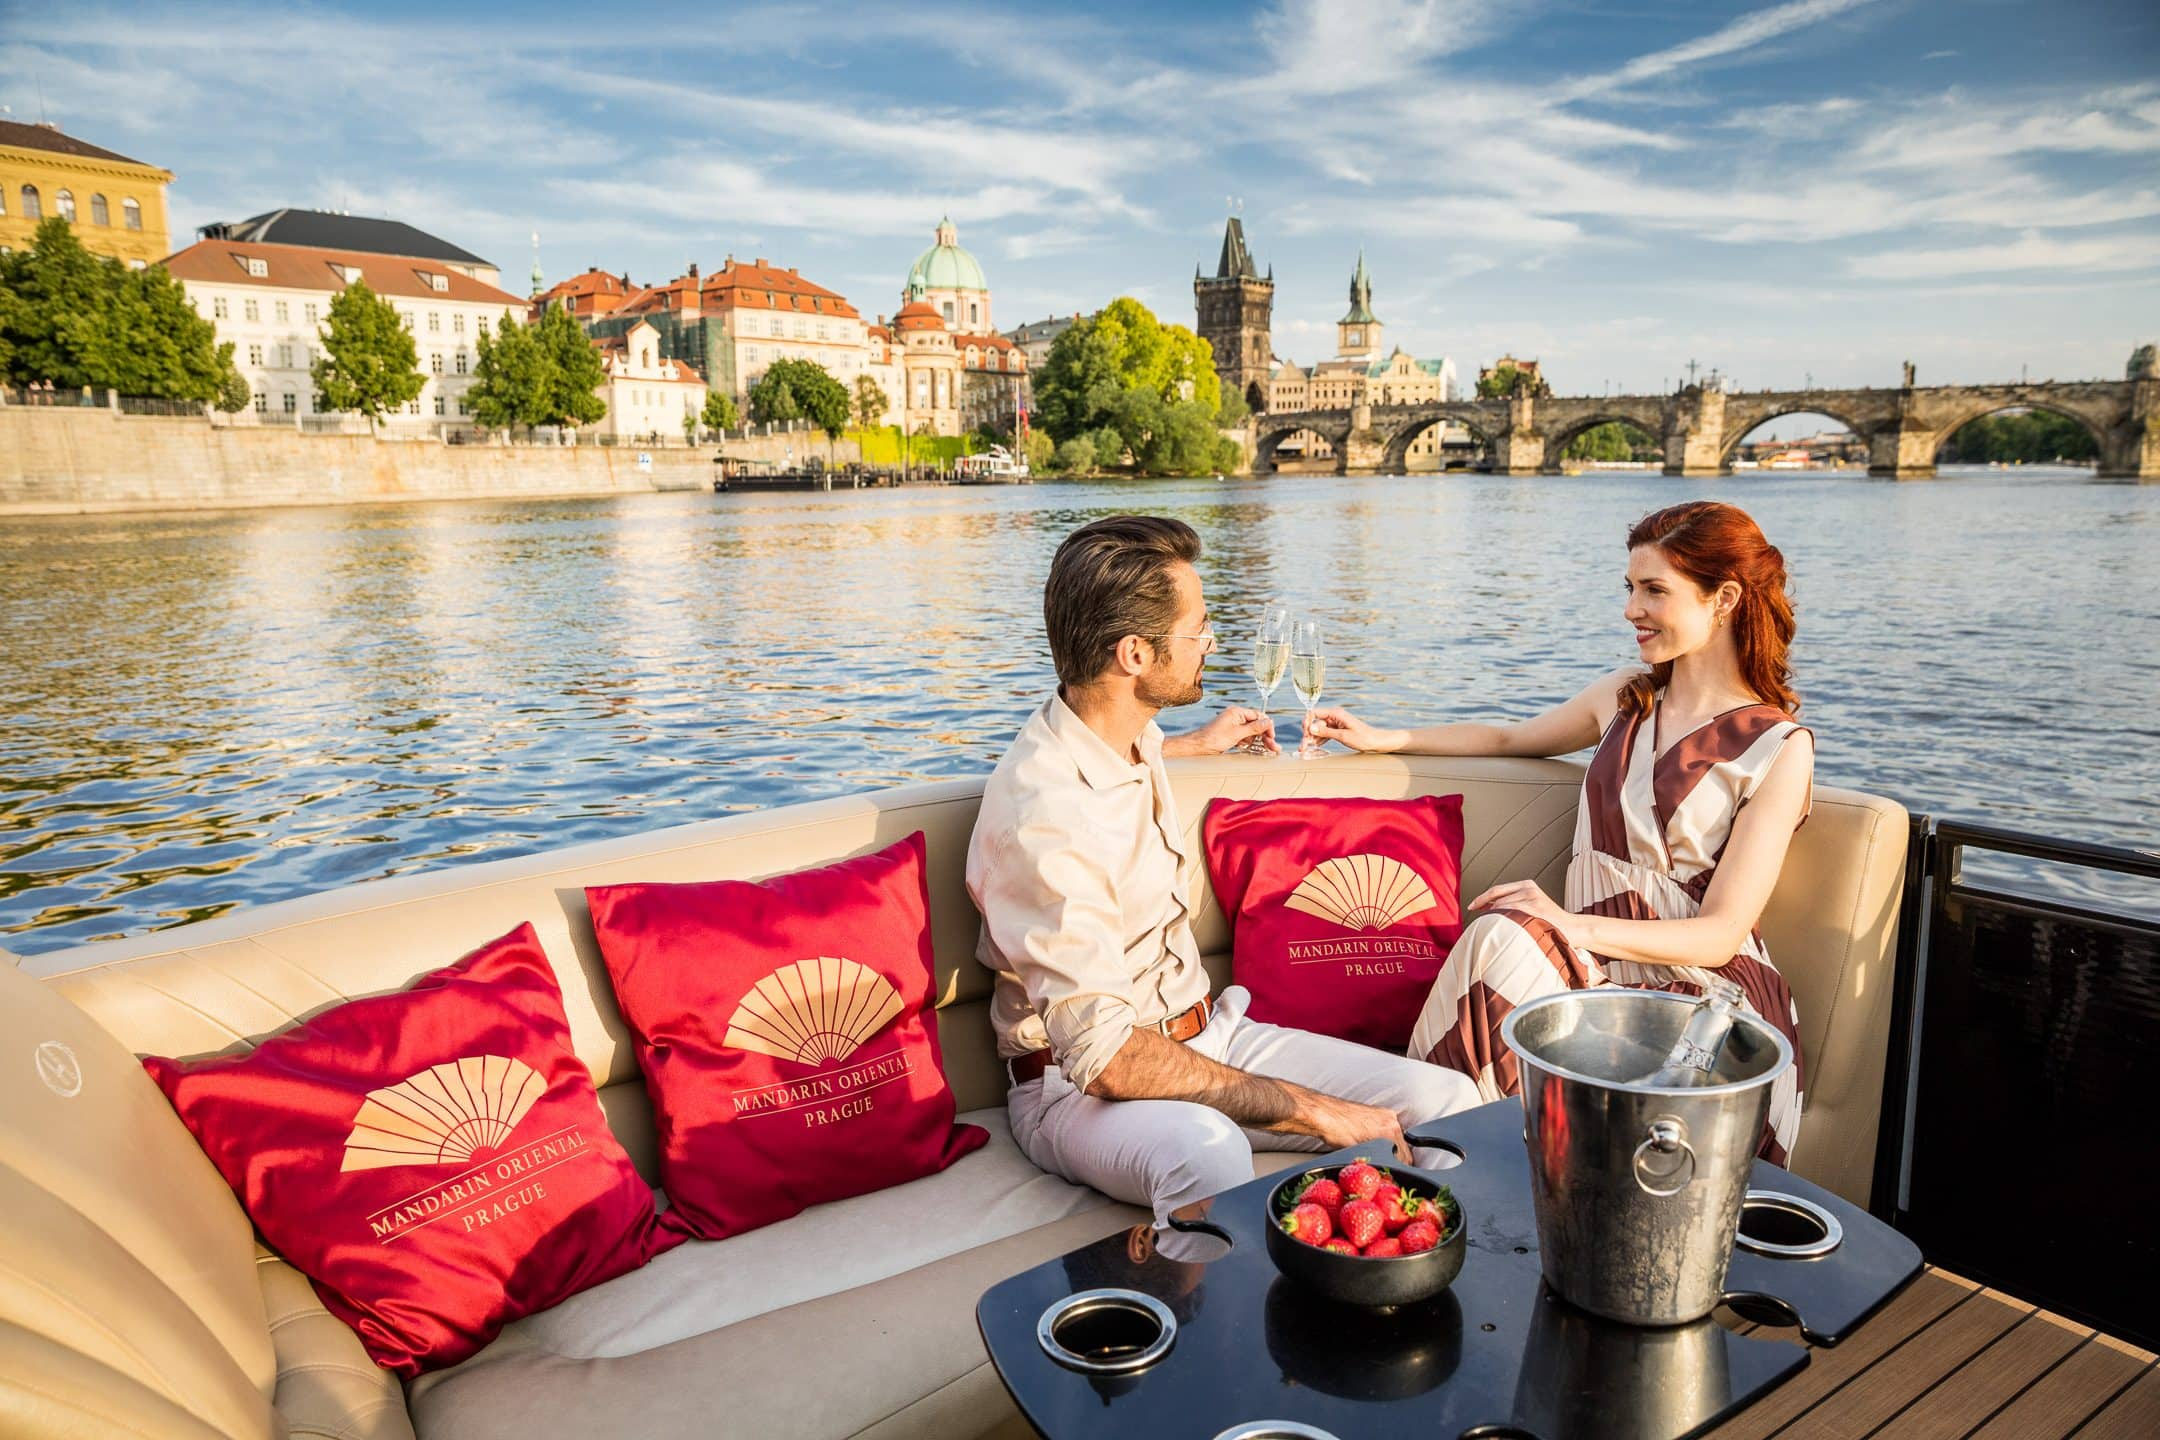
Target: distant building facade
column 335, row 230
column 646, row 394
column 953, row 283
column 116, row 205
column 1037, row 336
column 272, row 301
column 1528, row 370
column 1235, row 308
column 1360, row 374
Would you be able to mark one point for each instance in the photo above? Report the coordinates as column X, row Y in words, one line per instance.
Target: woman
column 1700, row 778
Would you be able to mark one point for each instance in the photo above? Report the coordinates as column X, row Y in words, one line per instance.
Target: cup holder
column 1107, row 1332
column 1275, row 1430
column 1786, row 1226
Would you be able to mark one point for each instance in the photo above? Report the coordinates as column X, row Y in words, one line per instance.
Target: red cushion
column 1341, row 911
column 434, row 1160
column 786, row 1035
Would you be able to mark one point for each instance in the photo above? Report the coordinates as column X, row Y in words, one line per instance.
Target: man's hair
column 1109, row 580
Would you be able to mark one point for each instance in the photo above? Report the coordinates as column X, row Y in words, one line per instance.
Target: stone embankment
column 67, row 460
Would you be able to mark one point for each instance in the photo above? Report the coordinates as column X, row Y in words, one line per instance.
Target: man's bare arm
column 1150, row 1066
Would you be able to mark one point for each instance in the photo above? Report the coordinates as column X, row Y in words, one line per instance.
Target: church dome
column 945, row 266
column 918, row 315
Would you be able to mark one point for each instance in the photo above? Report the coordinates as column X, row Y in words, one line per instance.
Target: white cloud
column 2030, row 251
column 1743, row 34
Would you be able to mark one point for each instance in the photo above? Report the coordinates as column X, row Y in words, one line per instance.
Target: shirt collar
column 1102, row 767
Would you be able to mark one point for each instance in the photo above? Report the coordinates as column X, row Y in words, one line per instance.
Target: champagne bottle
column 1694, row 1055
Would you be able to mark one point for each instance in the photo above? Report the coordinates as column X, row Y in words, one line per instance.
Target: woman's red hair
column 1711, row 543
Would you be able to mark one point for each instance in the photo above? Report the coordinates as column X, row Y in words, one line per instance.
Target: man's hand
column 1341, row 1123
column 1237, row 725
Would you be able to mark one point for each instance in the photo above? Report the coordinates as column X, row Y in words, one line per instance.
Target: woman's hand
column 1333, row 724
column 1530, row 898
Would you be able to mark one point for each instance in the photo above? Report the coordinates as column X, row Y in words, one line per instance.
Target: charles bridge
column 1700, row 427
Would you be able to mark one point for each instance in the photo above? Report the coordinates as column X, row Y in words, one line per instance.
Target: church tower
column 1358, row 332
column 1235, row 307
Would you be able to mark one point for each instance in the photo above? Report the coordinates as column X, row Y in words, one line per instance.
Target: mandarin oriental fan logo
column 447, row 1114
column 1362, row 894
column 818, row 1012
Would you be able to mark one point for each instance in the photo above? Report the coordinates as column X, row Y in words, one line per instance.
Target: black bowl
column 1353, row 1279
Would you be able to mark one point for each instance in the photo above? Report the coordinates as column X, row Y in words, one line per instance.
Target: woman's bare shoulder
column 1602, row 695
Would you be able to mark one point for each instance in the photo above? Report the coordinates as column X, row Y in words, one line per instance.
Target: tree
column 571, row 395
column 1040, row 451
column 1075, row 456
column 791, row 389
column 369, row 363
column 511, row 378
column 79, row 319
column 719, row 412
column 871, row 402
column 1499, row 384
column 771, row 401
column 233, row 394
column 1613, row 440
column 1121, row 348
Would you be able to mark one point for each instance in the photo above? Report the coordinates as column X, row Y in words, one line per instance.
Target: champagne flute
column 1271, row 657
column 1308, row 675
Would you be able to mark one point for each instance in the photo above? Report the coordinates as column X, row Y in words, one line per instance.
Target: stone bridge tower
column 1235, row 307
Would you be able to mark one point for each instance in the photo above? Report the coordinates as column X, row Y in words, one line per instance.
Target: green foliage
column 574, row 370
column 1500, row 383
column 79, row 319
column 804, row 389
column 1234, row 410
column 719, row 412
column 1076, row 456
column 1040, row 451
column 369, row 363
column 1613, row 440
column 1122, row 350
column 2029, row 437
column 871, row 401
column 233, row 394
column 886, row 446
column 511, row 379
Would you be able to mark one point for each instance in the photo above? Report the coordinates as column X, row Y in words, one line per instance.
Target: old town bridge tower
column 1235, row 306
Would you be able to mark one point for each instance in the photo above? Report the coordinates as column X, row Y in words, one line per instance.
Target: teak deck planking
column 1951, row 1360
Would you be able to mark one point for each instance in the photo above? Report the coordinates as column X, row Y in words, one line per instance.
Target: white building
column 645, row 394
column 272, row 302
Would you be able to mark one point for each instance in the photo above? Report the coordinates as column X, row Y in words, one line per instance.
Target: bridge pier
column 1364, row 450
column 1903, row 451
column 2132, row 451
column 1695, row 434
column 1520, row 448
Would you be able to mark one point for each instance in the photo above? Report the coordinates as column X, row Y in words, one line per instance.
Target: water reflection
column 210, row 711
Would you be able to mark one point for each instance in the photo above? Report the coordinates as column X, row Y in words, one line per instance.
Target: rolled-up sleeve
column 1052, row 912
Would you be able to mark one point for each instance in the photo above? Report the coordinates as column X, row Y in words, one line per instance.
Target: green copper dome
column 945, row 266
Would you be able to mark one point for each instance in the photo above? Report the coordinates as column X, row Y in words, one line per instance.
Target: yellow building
column 116, row 205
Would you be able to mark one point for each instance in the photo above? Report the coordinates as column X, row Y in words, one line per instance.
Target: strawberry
column 1396, row 1208
column 1387, row 1247
column 1361, row 1222
column 1360, row 1179
column 1309, row 1223
column 1418, row 1236
column 1340, row 1246
column 1323, row 1192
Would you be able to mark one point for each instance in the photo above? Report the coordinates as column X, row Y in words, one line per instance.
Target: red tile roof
column 593, row 293
column 48, row 137
column 301, row 267
column 917, row 315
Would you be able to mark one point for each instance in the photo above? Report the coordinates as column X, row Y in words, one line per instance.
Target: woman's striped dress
column 1648, row 834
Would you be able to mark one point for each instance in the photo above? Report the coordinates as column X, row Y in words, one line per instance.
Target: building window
column 220, row 309
column 99, row 215
column 435, row 362
column 974, row 318
column 412, row 407
column 256, row 266
column 138, row 264
column 457, row 324
column 255, row 355
column 438, row 404
column 64, row 202
column 281, row 310
column 32, row 209
column 311, row 314
column 292, row 403
column 434, row 322
column 461, row 362
column 948, row 312
column 284, row 357
column 480, row 323
column 406, row 319
column 131, row 214
column 462, row 407
column 262, row 402
column 251, row 309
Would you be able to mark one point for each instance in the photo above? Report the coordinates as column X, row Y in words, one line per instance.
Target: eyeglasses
column 1207, row 633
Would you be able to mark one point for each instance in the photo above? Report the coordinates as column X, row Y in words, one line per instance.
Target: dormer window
column 255, row 265
column 348, row 273
column 441, row 283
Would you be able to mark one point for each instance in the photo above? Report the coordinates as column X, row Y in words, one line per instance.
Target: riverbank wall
column 65, row 460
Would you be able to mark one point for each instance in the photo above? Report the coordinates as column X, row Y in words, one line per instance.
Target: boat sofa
column 136, row 1300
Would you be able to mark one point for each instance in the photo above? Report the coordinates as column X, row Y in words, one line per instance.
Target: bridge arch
column 1269, row 432
column 1406, row 433
column 1736, row 434
column 1557, row 441
column 2095, row 429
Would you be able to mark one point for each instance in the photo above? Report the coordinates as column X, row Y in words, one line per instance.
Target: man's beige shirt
column 1079, row 870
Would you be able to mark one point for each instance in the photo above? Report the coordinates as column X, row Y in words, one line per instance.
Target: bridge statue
column 1700, row 427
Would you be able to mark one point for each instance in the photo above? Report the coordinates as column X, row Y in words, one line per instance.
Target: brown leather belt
column 1180, row 1027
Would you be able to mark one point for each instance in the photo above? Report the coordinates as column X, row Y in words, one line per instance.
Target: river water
column 214, row 710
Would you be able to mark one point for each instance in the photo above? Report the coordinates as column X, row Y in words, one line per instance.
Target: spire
column 537, row 284
column 948, row 234
column 1360, row 294
column 1236, row 262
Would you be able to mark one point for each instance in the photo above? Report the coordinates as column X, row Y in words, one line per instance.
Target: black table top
column 1497, row 1355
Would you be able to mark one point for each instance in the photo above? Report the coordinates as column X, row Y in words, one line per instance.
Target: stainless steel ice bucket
column 1637, row 1189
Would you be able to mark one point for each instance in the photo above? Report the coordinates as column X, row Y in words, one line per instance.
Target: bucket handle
column 1665, row 1137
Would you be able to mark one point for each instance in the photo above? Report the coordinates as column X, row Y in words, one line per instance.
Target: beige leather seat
column 134, row 1299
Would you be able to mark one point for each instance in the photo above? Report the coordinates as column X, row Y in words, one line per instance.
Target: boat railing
column 2016, row 1136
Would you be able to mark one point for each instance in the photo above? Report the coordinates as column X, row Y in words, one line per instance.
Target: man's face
column 1174, row 678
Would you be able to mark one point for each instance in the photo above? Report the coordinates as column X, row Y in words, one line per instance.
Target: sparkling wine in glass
column 1271, row 657
column 1308, row 674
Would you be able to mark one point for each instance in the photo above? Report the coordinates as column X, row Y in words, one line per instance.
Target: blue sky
column 1817, row 188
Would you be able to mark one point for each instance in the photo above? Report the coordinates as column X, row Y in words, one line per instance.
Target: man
column 1125, row 1074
